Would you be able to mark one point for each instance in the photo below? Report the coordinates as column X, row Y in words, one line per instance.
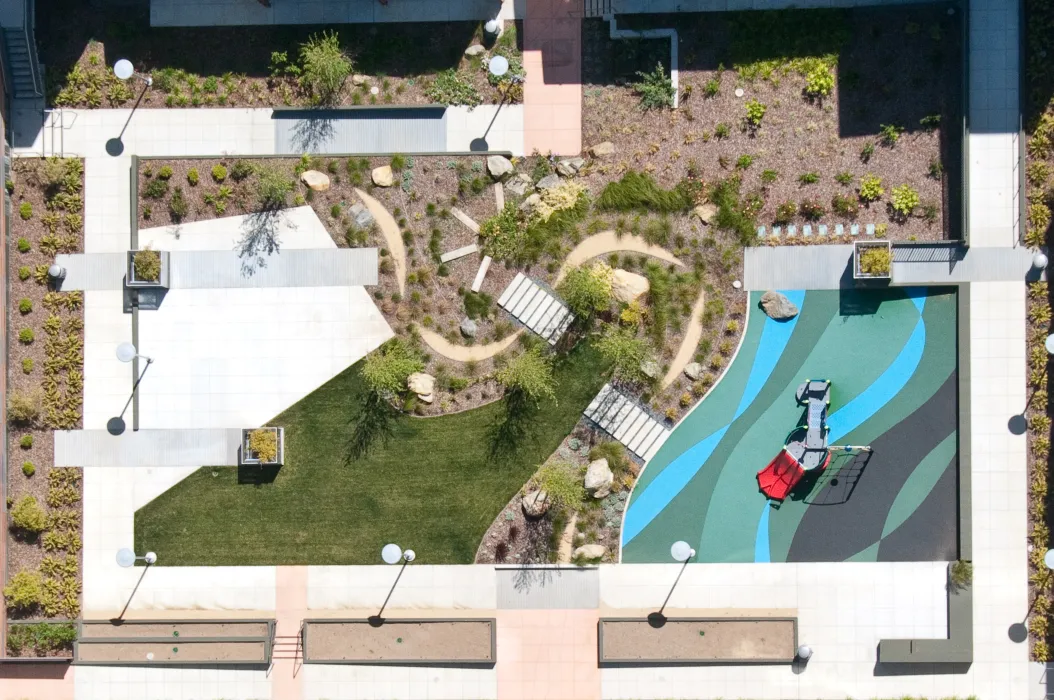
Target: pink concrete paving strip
column 548, row 655
column 36, row 682
column 290, row 609
column 552, row 92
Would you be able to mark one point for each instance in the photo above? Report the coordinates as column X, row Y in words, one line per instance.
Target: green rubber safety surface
column 891, row 356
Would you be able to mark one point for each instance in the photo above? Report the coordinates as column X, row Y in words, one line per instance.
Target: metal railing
column 29, row 26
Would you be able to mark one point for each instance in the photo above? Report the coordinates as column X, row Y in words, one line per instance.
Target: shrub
column 477, row 305
column 845, row 205
column 904, row 199
column 28, row 469
column 193, row 177
column 25, row 589
column 562, row 484
column 156, row 189
column 264, row 444
column 272, row 188
column 614, row 453
column 936, row 169
column 961, row 574
column 28, row 515
column 871, row 188
column 744, row 161
column 811, row 209
column 819, row 82
column 875, row 261
column 732, row 327
column 449, row 88
column 25, row 336
column 530, row 374
column 177, row 206
column 755, row 113
column 146, row 264
column 890, row 134
column 398, row 162
column 26, row 441
column 588, row 290
column 722, row 130
column 24, row 406
column 655, row 89
column 324, row 66
column 844, row 178
column 219, row 173
column 712, row 87
column 786, row 212
column 242, row 170
column 734, row 213
column 625, row 351
column 866, row 152
column 809, row 178
column 25, row 210
column 24, row 273
column 639, row 191
column 385, row 369
column 769, row 176
column 334, row 211
column 25, row 306
column 165, row 172
column 27, row 365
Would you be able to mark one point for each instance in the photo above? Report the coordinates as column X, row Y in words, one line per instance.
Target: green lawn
column 435, row 487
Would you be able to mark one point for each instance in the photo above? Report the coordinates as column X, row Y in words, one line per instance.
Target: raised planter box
column 466, row 641
column 698, row 640
column 861, row 247
column 161, row 282
column 175, row 643
column 247, row 457
column 40, row 641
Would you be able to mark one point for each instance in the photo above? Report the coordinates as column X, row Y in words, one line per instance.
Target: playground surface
column 891, row 358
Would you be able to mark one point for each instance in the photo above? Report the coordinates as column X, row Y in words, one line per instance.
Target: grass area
column 435, row 487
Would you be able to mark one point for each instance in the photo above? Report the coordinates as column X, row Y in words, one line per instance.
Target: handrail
column 29, row 29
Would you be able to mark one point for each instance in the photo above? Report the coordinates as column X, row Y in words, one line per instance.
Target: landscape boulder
column 599, row 478
column 602, row 149
column 706, row 213
column 778, row 306
column 528, row 205
column 628, row 286
column 590, row 551
column 475, row 50
column 549, row 181
column 650, row 368
column 382, row 176
column 358, row 79
column 317, row 181
column 693, row 370
column 518, row 184
column 421, row 383
column 361, row 215
column 570, row 166
column 536, row 503
column 427, row 398
column 498, row 166
column 468, row 328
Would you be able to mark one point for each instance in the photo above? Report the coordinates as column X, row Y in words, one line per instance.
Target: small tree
column 386, row 369
column 562, row 484
column 28, row 515
column 625, row 352
column 272, row 188
column 24, row 590
column 531, row 373
column 324, row 66
column 588, row 290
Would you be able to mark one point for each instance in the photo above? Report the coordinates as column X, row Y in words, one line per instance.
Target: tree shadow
column 259, row 238
column 513, row 427
column 311, row 132
column 372, row 425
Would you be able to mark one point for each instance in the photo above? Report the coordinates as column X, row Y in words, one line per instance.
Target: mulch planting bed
column 45, row 356
column 893, row 66
column 398, row 640
column 232, row 66
column 176, row 630
column 698, row 640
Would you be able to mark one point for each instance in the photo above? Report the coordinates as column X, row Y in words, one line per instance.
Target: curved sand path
column 567, row 541
column 690, row 342
column 465, row 353
column 392, row 236
column 607, row 242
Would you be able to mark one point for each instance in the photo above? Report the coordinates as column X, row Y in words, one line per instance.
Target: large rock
column 693, row 370
column 536, row 503
column 570, row 167
column 498, row 166
column 317, row 181
column 421, row 384
column 650, row 368
column 549, row 181
column 469, row 328
column 358, row 79
column 518, row 184
column 361, row 215
column 528, row 205
column 599, row 478
column 706, row 213
column 590, row 551
column 778, row 306
column 427, row 398
column 382, row 176
column 627, row 286
column 602, row 149
column 475, row 50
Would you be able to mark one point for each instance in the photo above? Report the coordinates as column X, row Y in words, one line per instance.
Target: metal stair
column 21, row 57
column 598, row 8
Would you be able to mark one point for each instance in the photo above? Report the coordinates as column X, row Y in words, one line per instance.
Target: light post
column 126, row 558
column 126, row 352
column 392, row 554
column 1018, row 424
column 498, row 66
column 124, row 70
column 680, row 551
column 1040, row 261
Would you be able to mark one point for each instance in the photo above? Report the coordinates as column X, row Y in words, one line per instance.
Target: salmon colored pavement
column 548, row 655
column 290, row 609
column 36, row 682
column 552, row 91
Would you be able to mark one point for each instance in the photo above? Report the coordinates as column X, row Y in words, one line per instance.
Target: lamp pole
column 680, row 551
column 126, row 558
column 392, row 554
column 126, row 352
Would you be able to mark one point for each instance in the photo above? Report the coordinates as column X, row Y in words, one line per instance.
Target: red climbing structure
column 780, row 476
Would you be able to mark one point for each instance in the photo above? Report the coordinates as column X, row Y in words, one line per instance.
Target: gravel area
column 176, row 630
column 397, row 640
column 173, row 653
column 698, row 640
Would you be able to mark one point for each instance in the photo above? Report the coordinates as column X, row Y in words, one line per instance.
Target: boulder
column 548, row 182
column 706, row 213
column 528, row 205
column 475, row 50
column 590, row 551
column 536, row 503
column 317, row 181
column 382, row 176
column 358, row 79
column 421, row 384
column 650, row 368
column 599, row 478
column 778, row 306
column 627, row 286
column 602, row 149
column 570, row 166
column 468, row 328
column 498, row 166
column 693, row 370
column 361, row 215
column 427, row 398
column 518, row 184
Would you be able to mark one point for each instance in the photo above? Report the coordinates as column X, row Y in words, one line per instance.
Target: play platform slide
column 780, row 476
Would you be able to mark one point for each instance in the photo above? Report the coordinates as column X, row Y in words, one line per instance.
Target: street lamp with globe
column 392, row 554
column 680, row 551
column 126, row 559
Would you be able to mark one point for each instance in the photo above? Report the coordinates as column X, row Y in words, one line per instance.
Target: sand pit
column 399, row 641
column 700, row 640
column 171, row 653
column 104, row 629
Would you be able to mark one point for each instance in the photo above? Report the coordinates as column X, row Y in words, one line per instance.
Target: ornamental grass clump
column 876, row 261
column 386, row 369
column 588, row 290
column 264, row 444
column 147, row 265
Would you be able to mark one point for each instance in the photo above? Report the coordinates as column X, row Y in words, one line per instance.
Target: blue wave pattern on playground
column 864, row 405
column 665, row 487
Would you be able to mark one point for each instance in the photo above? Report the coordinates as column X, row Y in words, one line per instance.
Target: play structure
column 806, row 449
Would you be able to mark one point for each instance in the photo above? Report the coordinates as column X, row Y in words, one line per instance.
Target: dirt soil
column 699, row 640
column 181, row 630
column 175, row 651
column 464, row 641
column 898, row 66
